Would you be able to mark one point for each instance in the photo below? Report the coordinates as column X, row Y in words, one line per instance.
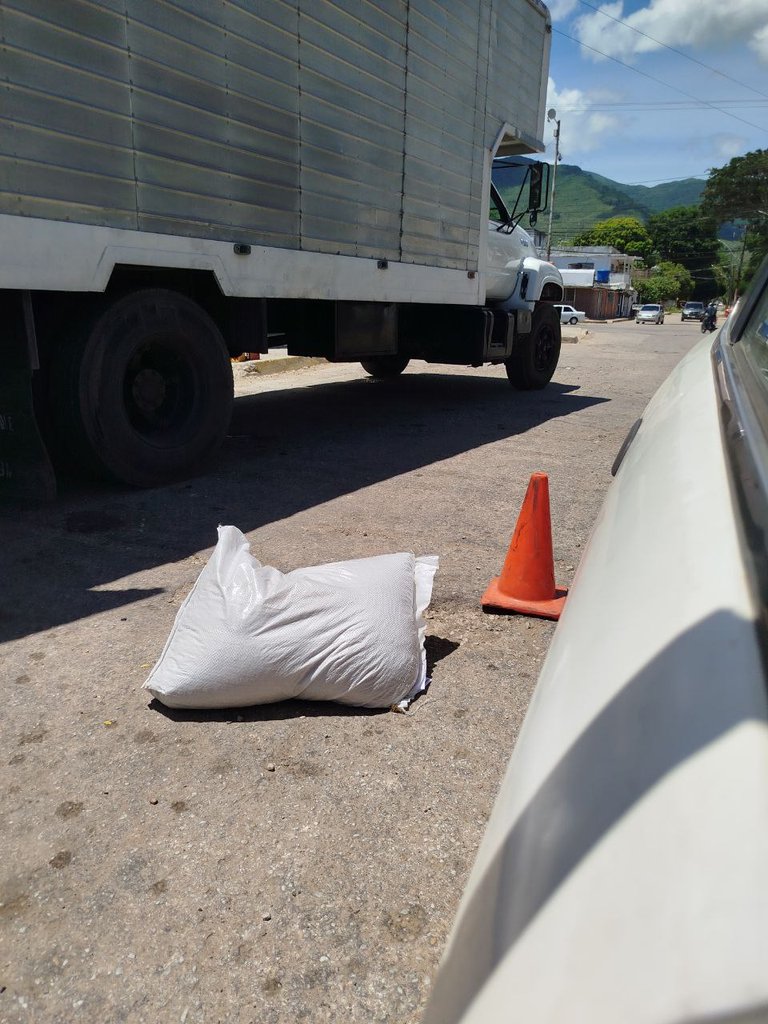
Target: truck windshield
column 512, row 179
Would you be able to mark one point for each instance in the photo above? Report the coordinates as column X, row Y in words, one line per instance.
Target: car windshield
column 649, row 309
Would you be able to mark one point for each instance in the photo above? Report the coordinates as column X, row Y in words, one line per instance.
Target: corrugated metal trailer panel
column 352, row 126
column 356, row 127
column 66, row 140
column 520, row 38
column 442, row 182
column 216, row 124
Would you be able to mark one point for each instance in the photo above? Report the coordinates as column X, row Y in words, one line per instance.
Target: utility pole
column 552, row 116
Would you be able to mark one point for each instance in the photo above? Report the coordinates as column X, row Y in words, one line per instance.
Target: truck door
column 507, row 246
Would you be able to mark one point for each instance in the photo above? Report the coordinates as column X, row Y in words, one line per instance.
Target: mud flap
column 26, row 474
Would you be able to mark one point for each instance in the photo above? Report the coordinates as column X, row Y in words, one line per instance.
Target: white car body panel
column 623, row 876
column 568, row 313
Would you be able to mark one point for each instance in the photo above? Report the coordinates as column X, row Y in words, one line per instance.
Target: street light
column 552, row 116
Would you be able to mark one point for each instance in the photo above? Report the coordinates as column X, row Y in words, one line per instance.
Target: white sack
column 248, row 634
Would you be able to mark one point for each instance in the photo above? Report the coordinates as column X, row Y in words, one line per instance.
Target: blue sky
column 604, row 127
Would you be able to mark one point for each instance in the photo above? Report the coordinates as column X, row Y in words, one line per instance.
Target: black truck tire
column 535, row 355
column 144, row 393
column 381, row 367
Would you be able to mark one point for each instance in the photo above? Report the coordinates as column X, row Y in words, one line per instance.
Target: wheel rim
column 545, row 348
column 159, row 389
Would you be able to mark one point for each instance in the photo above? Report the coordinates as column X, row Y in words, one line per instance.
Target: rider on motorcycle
column 709, row 320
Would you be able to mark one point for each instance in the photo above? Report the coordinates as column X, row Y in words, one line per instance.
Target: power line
column 674, row 103
column 659, row 81
column 680, row 53
column 671, row 106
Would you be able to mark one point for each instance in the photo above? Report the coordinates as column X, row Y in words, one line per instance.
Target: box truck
column 181, row 181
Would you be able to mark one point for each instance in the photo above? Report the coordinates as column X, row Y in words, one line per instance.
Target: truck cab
column 517, row 276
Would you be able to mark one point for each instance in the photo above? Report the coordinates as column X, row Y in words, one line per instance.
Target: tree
column 627, row 234
column 739, row 192
column 725, row 269
column 655, row 289
column 688, row 236
column 736, row 265
column 685, row 234
column 757, row 244
column 679, row 275
column 667, row 281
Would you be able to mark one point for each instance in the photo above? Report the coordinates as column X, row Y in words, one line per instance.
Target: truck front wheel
column 147, row 390
column 535, row 355
column 382, row 367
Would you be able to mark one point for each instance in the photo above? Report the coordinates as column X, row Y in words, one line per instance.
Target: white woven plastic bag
column 248, row 634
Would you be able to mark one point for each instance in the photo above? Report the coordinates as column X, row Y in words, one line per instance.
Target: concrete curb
column 580, row 333
column 281, row 364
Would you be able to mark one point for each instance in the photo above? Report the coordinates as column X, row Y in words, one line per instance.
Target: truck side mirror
column 537, row 186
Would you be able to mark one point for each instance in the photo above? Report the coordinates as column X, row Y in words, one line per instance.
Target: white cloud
column 678, row 23
column 759, row 43
column 727, row 146
column 560, row 9
column 713, row 150
column 581, row 130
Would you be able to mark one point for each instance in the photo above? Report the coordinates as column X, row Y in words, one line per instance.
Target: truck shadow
column 289, row 450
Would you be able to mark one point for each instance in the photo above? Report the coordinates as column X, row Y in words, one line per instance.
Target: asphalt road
column 154, row 869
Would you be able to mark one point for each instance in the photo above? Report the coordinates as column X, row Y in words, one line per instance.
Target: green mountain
column 666, row 195
column 583, row 198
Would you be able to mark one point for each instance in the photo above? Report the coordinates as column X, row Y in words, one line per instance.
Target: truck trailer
column 182, row 181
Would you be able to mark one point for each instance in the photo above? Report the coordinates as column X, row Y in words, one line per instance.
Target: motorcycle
column 709, row 321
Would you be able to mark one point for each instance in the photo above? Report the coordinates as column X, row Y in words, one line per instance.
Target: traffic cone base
column 494, row 599
column 526, row 583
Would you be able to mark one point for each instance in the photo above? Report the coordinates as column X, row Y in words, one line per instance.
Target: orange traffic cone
column 527, row 581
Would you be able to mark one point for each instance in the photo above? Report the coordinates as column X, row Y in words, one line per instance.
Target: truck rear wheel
column 146, row 393
column 535, row 355
column 382, row 367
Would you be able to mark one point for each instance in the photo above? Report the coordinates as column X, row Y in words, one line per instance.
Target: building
column 597, row 279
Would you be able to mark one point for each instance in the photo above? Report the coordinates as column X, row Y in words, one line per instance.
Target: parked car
column 623, row 875
column 692, row 311
column 650, row 313
column 569, row 315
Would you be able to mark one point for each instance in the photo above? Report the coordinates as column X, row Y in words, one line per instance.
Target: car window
column 741, row 364
column 754, row 339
